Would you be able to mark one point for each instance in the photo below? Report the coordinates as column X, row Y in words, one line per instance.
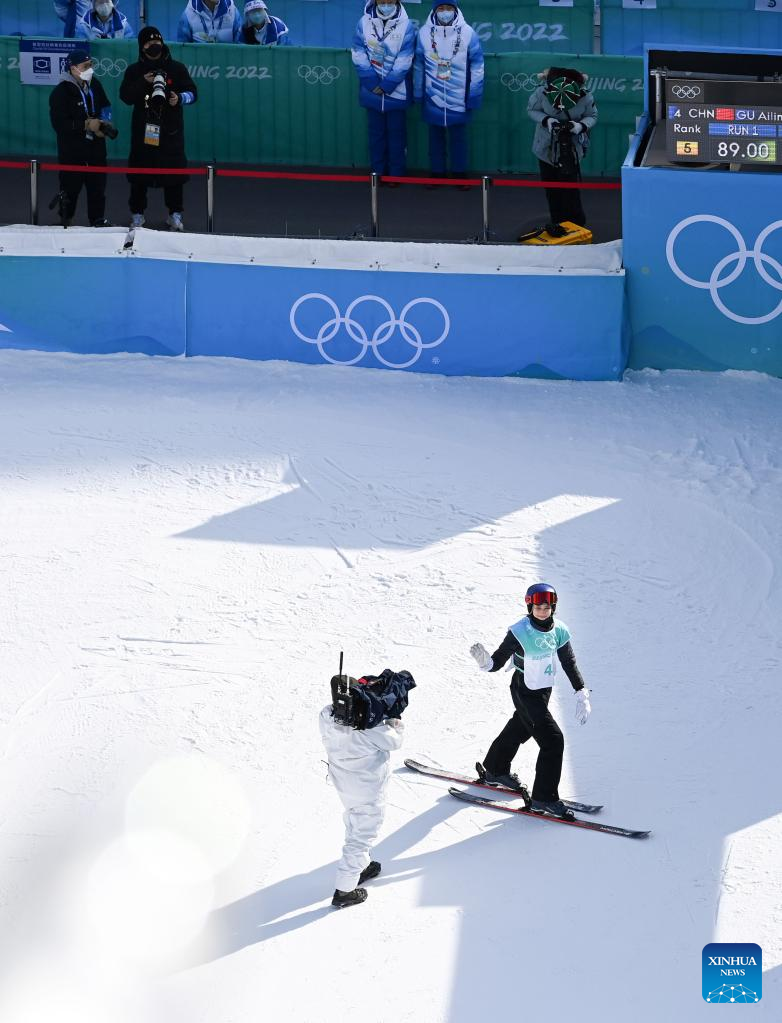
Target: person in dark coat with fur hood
column 158, row 125
column 79, row 109
column 564, row 113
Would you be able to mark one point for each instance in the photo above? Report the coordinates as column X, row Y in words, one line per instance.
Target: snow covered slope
column 185, row 547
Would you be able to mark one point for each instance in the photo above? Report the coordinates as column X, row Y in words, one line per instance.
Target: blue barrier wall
column 52, row 317
column 733, row 23
column 453, row 324
column 703, row 254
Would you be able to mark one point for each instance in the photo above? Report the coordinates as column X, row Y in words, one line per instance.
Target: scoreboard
column 710, row 121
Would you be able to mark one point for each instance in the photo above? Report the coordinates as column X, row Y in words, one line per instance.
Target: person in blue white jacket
column 104, row 21
column 261, row 28
column 449, row 80
column 210, row 21
column 71, row 12
column 383, row 49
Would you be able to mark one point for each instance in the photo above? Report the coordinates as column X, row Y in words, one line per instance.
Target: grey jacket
column 539, row 108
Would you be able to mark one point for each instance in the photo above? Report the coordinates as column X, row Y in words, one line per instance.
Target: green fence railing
column 299, row 106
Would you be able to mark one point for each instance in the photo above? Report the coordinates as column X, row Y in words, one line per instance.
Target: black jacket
column 510, row 646
column 69, row 108
column 135, row 91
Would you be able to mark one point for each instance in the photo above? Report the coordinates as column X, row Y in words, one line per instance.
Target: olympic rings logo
column 112, row 68
column 686, row 91
column 383, row 333
column 318, row 75
column 515, row 83
column 715, row 282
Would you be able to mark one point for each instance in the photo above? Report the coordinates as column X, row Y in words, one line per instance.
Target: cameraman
column 80, row 113
column 157, row 87
column 564, row 113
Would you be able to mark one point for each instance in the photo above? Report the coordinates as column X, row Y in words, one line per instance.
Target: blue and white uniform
column 199, row 24
column 260, row 28
column 448, row 70
column 71, row 12
column 448, row 80
column 382, row 52
column 116, row 26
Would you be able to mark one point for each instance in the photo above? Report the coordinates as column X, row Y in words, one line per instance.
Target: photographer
column 104, row 21
column 80, row 113
column 360, row 728
column 157, row 87
column 564, row 112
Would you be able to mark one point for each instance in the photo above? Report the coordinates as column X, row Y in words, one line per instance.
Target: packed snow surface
column 186, row 546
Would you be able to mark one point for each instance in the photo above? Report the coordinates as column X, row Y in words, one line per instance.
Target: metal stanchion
column 34, row 192
column 375, row 182
column 142, row 13
column 210, row 199
column 485, row 182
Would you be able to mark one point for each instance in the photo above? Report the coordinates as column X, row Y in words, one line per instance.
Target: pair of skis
column 468, row 797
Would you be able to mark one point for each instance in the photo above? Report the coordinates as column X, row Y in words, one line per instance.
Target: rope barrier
column 314, row 176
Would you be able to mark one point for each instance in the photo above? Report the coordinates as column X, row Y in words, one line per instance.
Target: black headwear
column 146, row 35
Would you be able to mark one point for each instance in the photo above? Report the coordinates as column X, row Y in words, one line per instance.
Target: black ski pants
column 563, row 203
column 531, row 720
column 71, row 183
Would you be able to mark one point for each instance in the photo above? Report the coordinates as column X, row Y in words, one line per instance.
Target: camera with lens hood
column 159, row 94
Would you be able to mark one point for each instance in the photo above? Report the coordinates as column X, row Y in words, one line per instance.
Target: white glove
column 396, row 724
column 482, row 656
column 576, row 127
column 549, row 122
column 583, row 707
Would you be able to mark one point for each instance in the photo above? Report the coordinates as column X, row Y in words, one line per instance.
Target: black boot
column 343, row 899
column 553, row 807
column 370, row 871
column 509, row 780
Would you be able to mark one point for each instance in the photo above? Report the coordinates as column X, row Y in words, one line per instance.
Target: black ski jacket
column 69, row 108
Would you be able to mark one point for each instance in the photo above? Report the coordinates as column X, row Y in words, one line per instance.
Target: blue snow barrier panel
column 703, row 256
column 454, row 324
column 140, row 306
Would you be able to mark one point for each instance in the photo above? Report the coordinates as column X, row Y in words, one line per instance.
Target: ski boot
column 369, row 872
column 553, row 807
column 342, row 900
column 509, row 781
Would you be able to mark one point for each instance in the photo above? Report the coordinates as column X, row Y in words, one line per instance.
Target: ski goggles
column 542, row 598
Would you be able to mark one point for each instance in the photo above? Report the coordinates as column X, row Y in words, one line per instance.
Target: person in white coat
column 359, row 768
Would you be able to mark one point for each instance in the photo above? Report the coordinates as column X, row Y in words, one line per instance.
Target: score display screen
column 709, row 121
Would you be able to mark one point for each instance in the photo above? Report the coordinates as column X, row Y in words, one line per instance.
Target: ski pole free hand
column 583, row 706
column 481, row 656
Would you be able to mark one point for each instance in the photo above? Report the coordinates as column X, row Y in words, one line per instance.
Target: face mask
column 86, row 76
column 445, row 17
column 257, row 18
column 104, row 10
column 386, row 10
column 153, row 52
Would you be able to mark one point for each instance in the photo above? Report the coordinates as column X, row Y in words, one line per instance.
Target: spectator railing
column 210, row 173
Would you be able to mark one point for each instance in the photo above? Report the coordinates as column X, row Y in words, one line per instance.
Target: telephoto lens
column 158, row 96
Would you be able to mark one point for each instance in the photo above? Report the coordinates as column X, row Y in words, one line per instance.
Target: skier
column 359, row 729
column 532, row 642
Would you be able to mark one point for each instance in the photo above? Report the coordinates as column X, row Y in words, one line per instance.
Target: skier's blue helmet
column 541, row 593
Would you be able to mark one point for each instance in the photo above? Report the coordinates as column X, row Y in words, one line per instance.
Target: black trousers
column 71, row 183
column 531, row 720
column 173, row 194
column 563, row 203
